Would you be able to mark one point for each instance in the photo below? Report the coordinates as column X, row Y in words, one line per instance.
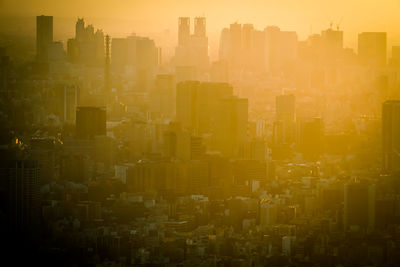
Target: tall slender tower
column 391, row 136
column 107, row 78
column 183, row 30
column 200, row 26
column 44, row 36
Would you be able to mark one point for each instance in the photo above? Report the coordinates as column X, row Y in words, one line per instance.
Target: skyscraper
column 197, row 104
column 359, row 205
column 281, row 48
column 200, row 26
column 90, row 121
column 44, row 36
column 21, row 184
column 192, row 50
column 391, row 135
column 285, row 112
column 183, row 30
column 372, row 48
column 230, row 125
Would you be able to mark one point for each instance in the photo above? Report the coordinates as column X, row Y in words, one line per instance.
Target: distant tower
column 44, row 35
column 391, row 136
column 183, row 30
column 107, row 78
column 200, row 26
column 80, row 30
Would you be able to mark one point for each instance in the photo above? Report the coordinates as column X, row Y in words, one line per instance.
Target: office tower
column 146, row 63
column 67, row 99
column 186, row 104
column 391, row 136
column 43, row 151
column 224, row 45
column 285, row 112
column 177, row 144
column 44, row 36
column 395, row 59
column 119, row 47
column 197, row 104
column 372, row 49
column 80, row 30
column 72, row 51
column 359, row 206
column 131, row 50
column 247, row 45
column 268, row 212
column 183, row 31
column 20, row 185
column 192, row 50
column 310, row 138
column 280, row 48
column 288, row 245
column 163, row 96
column 180, row 144
column 235, row 44
column 230, row 125
column 258, row 51
column 107, row 74
column 200, row 26
column 104, row 151
column 88, row 45
column 90, row 121
column 332, row 44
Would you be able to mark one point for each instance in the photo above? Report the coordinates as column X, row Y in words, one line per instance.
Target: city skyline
column 352, row 17
column 261, row 147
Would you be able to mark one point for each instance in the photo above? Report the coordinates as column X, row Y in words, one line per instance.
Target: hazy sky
column 302, row 16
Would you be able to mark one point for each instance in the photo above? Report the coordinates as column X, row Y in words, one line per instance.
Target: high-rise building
column 183, row 30
column 118, row 53
column 197, row 104
column 359, row 206
column 146, row 62
column 200, row 26
column 309, row 134
column 231, row 120
column 285, row 112
column 20, row 185
column 332, row 44
column 391, row 135
column 192, row 50
column 235, row 44
column 44, row 36
column 180, row 144
column 163, row 96
column 372, row 49
column 224, row 45
column 67, row 99
column 88, row 45
column 90, row 121
column 280, row 48
column 395, row 59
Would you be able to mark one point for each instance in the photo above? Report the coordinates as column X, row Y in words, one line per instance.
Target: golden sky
column 303, row 16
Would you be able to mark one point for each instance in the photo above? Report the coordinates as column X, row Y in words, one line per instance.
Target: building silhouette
column 44, row 36
column 20, row 187
column 87, row 47
column 372, row 49
column 90, row 121
column 391, row 135
column 192, row 49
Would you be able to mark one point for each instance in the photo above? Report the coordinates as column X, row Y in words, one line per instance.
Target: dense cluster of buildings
column 283, row 152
